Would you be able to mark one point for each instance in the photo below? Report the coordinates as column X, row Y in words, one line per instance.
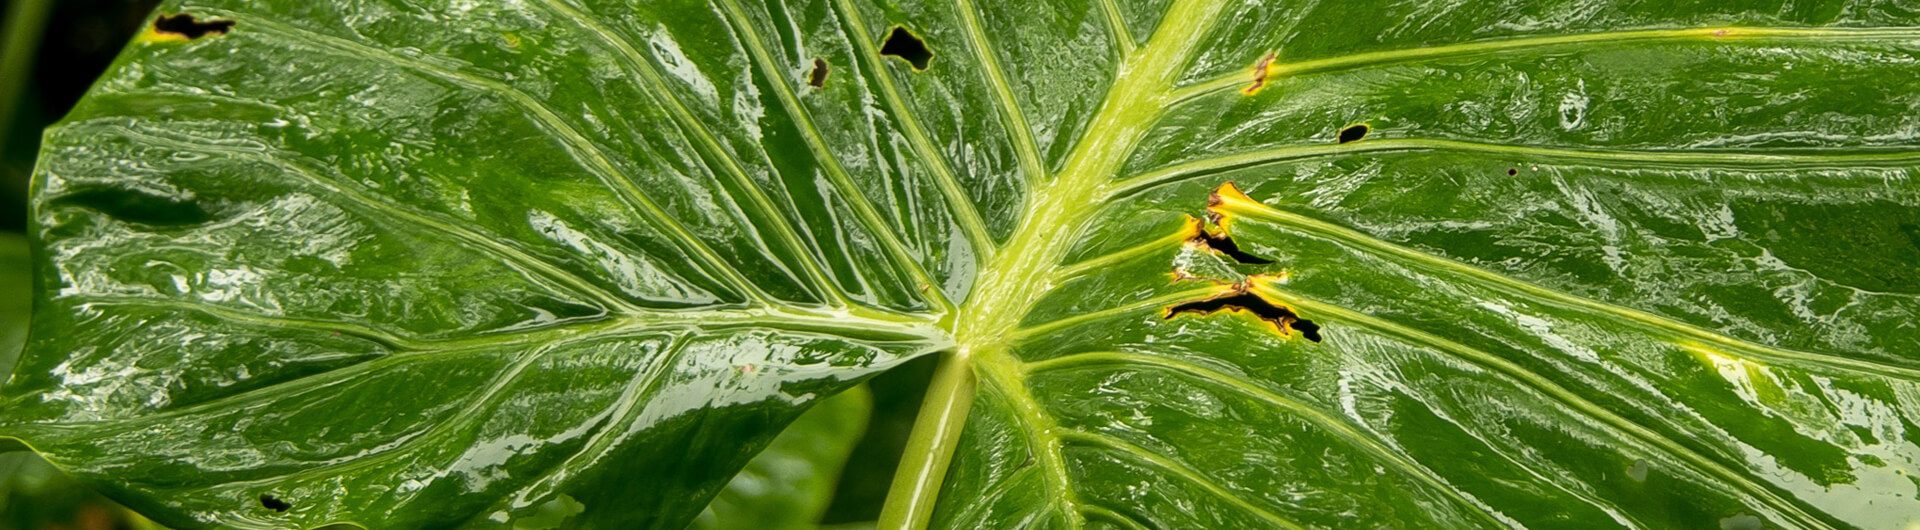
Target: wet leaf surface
column 410, row 264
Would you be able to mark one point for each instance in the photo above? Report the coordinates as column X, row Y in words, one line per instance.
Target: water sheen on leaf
column 417, row 263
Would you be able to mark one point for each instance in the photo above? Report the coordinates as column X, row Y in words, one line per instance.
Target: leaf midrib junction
column 1015, row 277
column 1022, row 271
column 1028, row 265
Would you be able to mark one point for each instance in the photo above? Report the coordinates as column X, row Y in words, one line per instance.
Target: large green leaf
column 1501, row 263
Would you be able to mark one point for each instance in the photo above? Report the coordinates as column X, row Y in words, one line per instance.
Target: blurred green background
column 50, row 50
column 50, row 53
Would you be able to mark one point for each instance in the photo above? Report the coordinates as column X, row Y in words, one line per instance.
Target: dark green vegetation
column 572, row 263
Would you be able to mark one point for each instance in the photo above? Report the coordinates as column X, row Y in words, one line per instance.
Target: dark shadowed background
column 50, row 51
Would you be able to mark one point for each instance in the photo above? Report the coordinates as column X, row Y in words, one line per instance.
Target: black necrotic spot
column 818, row 77
column 1353, row 133
column 901, row 43
column 1224, row 244
column 184, row 25
column 1280, row 317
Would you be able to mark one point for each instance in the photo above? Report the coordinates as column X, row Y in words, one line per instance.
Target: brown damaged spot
column 1241, row 299
column 1218, row 201
column 907, row 47
column 818, row 77
column 1260, row 72
column 185, row 26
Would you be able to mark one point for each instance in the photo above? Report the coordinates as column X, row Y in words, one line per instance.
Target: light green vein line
column 346, row 374
column 863, row 208
column 1760, row 35
column 638, row 65
column 987, row 497
column 384, row 337
column 1024, row 333
column 1162, row 244
column 957, row 199
column 499, row 249
column 1810, row 360
column 624, row 411
column 1024, row 147
column 579, row 147
column 1002, row 373
column 1785, row 160
column 1108, row 515
column 1117, row 25
column 484, row 398
column 1340, row 428
column 1784, row 508
column 1179, row 470
column 850, row 324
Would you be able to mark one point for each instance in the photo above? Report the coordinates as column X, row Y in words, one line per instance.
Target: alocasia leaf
column 1542, row 263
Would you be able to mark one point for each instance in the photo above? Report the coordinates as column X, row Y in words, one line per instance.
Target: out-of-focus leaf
column 16, row 298
column 788, row 486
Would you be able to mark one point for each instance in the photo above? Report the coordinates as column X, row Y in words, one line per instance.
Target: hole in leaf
column 185, row 25
column 818, row 77
column 1281, row 317
column 901, row 43
column 1353, row 133
column 1224, row 244
column 268, row 501
column 135, row 206
column 1513, row 171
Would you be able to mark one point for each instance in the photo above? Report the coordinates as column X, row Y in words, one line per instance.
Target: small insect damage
column 1221, row 243
column 904, row 45
column 184, row 27
column 1241, row 298
column 817, row 77
column 270, row 502
column 1260, row 72
column 1353, row 133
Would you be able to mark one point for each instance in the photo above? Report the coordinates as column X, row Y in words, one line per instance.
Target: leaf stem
column 923, row 466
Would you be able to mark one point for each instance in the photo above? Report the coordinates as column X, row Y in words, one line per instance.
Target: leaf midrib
column 1030, row 262
column 1011, row 283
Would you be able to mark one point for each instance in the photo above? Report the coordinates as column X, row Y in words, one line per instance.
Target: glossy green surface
column 426, row 264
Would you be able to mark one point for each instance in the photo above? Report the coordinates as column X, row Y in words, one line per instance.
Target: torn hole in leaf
column 1260, row 72
column 1223, row 244
column 1353, row 133
column 184, row 25
column 817, row 77
column 270, row 502
column 904, row 45
column 1240, row 299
